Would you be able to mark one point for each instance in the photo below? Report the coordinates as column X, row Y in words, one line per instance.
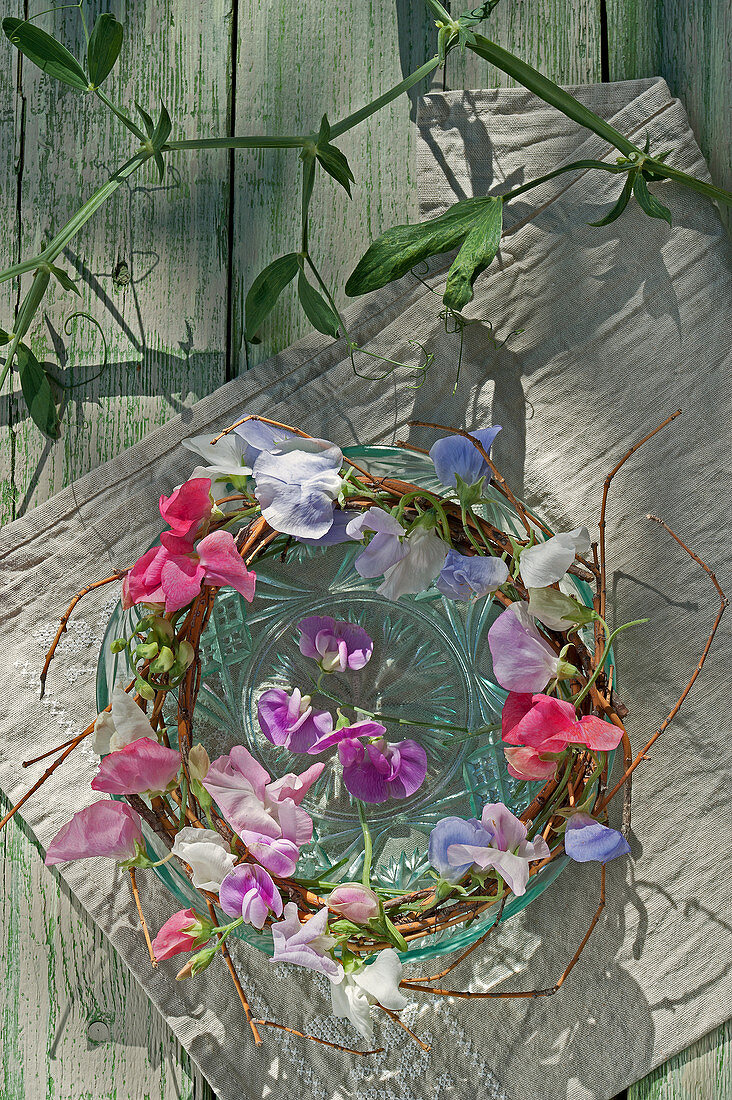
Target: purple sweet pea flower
column 289, row 720
column 385, row 548
column 586, row 840
column 297, row 484
column 455, row 456
column 249, row 892
column 522, row 660
column 451, row 831
column 509, row 852
column 366, row 728
column 306, row 944
column 379, row 770
column 463, row 578
column 336, row 645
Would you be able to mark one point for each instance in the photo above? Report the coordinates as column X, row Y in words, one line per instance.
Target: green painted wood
column 10, row 128
column 702, row 1072
column 690, row 45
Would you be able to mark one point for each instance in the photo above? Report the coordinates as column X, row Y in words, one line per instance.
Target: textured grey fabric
column 585, row 339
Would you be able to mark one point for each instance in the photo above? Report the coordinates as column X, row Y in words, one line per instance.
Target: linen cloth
column 584, row 340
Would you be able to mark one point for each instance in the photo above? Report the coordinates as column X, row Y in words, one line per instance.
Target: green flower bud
column 144, row 689
column 186, row 654
column 164, row 662
column 118, row 645
column 146, row 651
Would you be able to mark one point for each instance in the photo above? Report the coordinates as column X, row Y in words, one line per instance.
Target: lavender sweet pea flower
column 260, row 436
column 586, row 840
column 448, row 832
column 547, row 562
column 522, row 660
column 249, row 892
column 338, row 533
column 455, row 456
column 379, row 770
column 386, row 547
column 426, row 553
column 464, row 578
column 297, row 484
column 289, row 720
column 509, row 852
column 306, row 944
column 336, row 645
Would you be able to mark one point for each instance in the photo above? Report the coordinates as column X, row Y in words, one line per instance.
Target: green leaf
column 147, row 121
column 37, row 392
column 266, row 289
column 66, row 282
column 620, row 205
column 649, row 202
column 317, row 310
column 477, row 252
column 4, row 337
column 398, row 250
column 394, row 934
column 104, row 46
column 159, row 164
column 162, row 130
column 45, row 52
column 336, row 165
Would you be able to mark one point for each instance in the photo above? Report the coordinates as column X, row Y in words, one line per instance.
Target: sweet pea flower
column 354, row 902
column 172, row 578
column 336, row 534
column 547, row 562
column 260, row 436
column 184, row 931
column 142, row 767
column 105, row 828
column 289, row 720
column 186, row 511
column 336, row 645
column 297, row 484
column 226, row 460
column 249, row 892
column 548, row 725
column 425, row 557
column 465, row 578
column 522, row 660
column 385, row 548
column 449, row 832
column 266, row 815
column 586, row 840
column 508, row 852
column 124, row 723
column 207, row 854
column 455, row 457
column 378, row 770
column 373, row 983
column 307, row 944
column 526, row 763
column 557, row 610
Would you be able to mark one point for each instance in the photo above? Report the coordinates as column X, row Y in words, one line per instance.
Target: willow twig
column 65, row 619
column 317, row 1039
column 143, row 922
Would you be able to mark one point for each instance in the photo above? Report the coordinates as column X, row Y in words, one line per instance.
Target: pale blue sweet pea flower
column 455, row 830
column 455, row 457
column 463, row 578
column 587, row 841
column 297, row 484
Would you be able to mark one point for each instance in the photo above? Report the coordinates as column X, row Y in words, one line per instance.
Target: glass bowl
column 430, row 669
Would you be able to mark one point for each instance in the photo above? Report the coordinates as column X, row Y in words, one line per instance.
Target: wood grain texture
column 689, row 43
column 702, row 1072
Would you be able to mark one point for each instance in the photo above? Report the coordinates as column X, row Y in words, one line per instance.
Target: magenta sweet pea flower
column 336, row 645
column 186, row 511
column 105, row 828
column 266, row 815
column 508, row 852
column 354, row 902
column 548, row 725
column 378, row 770
column 142, row 767
column 249, row 892
column 586, row 840
column 307, row 944
column 522, row 660
column 290, row 720
column 184, row 931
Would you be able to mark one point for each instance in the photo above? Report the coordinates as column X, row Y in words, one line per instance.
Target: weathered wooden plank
column 11, row 109
column 702, row 1072
column 690, row 45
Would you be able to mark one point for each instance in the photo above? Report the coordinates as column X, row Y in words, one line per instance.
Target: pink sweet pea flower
column 105, row 828
column 249, row 892
column 548, row 725
column 289, row 720
column 184, row 931
column 142, row 767
column 266, row 815
column 336, row 645
column 354, row 902
column 185, row 511
column 522, row 660
column 528, row 764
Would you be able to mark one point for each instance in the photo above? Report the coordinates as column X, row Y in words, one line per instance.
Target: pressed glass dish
column 431, row 668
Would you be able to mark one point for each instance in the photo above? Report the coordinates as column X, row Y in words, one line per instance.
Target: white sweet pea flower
column 224, row 460
column 122, row 725
column 207, row 854
column 547, row 562
column 297, row 485
column 375, row 983
column 426, row 553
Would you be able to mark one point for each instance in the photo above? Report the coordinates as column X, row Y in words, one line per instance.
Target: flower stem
column 601, row 663
column 368, row 847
